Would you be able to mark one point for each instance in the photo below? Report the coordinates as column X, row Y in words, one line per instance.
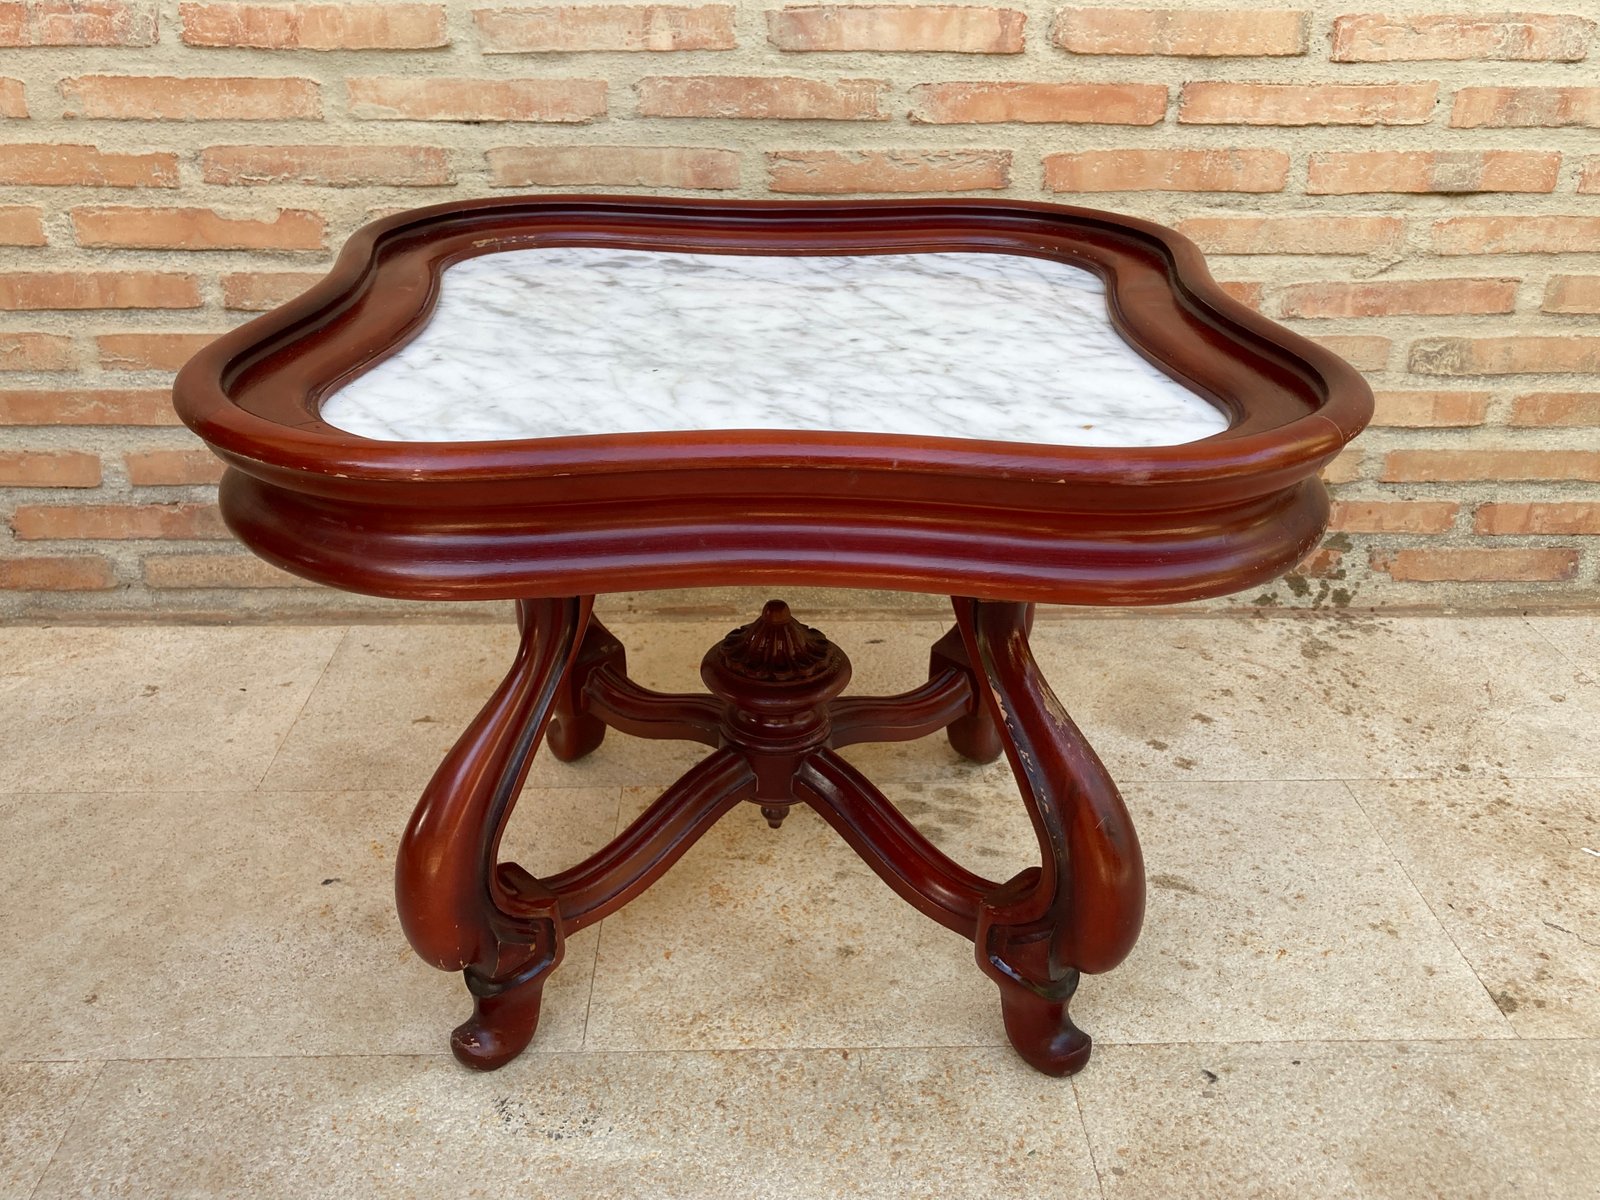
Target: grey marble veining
column 583, row 340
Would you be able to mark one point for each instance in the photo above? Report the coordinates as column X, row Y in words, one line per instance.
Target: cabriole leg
column 1080, row 910
column 461, row 908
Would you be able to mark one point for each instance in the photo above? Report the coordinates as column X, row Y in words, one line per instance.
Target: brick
column 1212, row 33
column 622, row 27
column 315, row 26
column 77, row 23
column 56, row 573
column 116, row 522
column 149, row 351
column 1559, row 409
column 1217, row 103
column 1504, row 355
column 167, row 468
column 1322, row 563
column 1465, row 466
column 615, row 166
column 752, row 97
column 1478, row 566
column 1393, row 516
column 36, row 352
column 1589, row 177
column 46, row 164
column 35, row 290
column 1293, row 235
column 196, row 229
column 101, row 406
column 1167, row 171
column 1429, row 409
column 327, row 166
column 13, row 98
column 1524, row 107
column 215, row 571
column 1572, row 294
column 1242, row 291
column 843, row 172
column 1340, row 173
column 1516, row 235
column 1497, row 37
column 49, row 468
column 1080, row 103
column 953, row 29
column 258, row 291
column 1361, row 351
column 1345, row 467
column 1538, row 517
column 398, row 98
column 1400, row 297
column 169, row 98
column 21, row 225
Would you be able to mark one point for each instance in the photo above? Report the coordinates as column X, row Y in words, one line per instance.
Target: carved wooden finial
column 776, row 648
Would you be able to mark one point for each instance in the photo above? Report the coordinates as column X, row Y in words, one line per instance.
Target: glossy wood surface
column 572, row 516
column 551, row 522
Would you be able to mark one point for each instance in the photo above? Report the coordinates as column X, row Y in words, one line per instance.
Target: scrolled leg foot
column 502, row 1025
column 1039, row 1027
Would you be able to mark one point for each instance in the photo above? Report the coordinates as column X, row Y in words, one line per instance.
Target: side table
column 542, row 399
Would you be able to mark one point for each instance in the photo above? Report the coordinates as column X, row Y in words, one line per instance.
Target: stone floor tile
column 1512, row 870
column 38, row 1101
column 395, row 698
column 1322, row 698
column 1577, row 638
column 144, row 708
column 1456, row 1121
column 179, row 924
column 1275, row 912
column 761, row 938
column 743, row 1126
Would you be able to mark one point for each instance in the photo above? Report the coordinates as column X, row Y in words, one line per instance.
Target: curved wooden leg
column 462, row 909
column 575, row 732
column 973, row 735
column 1081, row 909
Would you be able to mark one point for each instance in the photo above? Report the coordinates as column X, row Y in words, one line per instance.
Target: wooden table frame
column 551, row 522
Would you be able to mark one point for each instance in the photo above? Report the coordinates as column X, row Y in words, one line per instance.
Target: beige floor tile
column 395, row 698
column 1275, row 912
column 1322, row 698
column 38, row 1102
column 1512, row 870
column 1317, row 1121
column 1577, row 638
column 149, row 708
column 245, row 924
column 761, row 938
column 590, row 1126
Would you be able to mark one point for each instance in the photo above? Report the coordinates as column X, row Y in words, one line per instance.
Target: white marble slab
column 582, row 340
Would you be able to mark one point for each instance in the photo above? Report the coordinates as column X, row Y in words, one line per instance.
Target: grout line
column 300, row 712
column 599, row 929
column 533, row 1056
column 1428, row 904
column 71, row 1124
column 1560, row 650
column 1088, row 1142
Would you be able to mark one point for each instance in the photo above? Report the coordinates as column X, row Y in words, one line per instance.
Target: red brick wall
column 1416, row 185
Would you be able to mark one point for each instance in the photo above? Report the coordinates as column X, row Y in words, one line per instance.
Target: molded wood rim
column 516, row 517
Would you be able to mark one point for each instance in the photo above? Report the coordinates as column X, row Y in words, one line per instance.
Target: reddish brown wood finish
column 551, row 522
column 563, row 516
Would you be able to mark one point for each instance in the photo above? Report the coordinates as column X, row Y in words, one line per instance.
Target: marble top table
column 544, row 399
column 582, row 340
